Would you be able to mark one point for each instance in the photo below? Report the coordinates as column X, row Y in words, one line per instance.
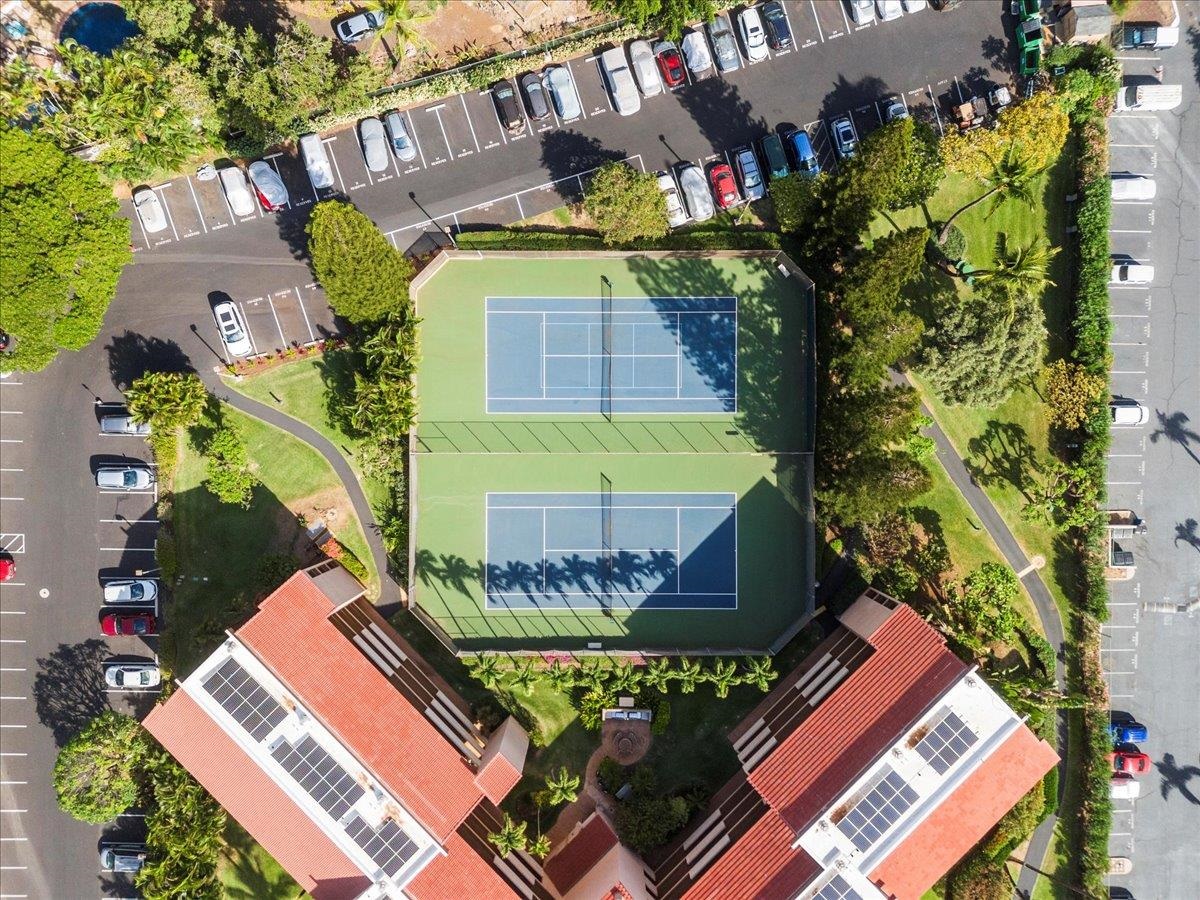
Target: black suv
column 507, row 107
column 779, row 35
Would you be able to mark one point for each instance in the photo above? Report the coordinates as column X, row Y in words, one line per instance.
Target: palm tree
column 723, row 676
column 1023, row 271
column 625, row 678
column 1011, row 178
column 485, row 669
column 561, row 788
column 540, row 848
column 659, row 674
column 403, row 19
column 760, row 672
column 593, row 673
column 688, row 675
column 510, row 837
column 560, row 677
column 526, row 676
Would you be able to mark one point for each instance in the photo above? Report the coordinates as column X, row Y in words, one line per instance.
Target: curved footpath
column 1047, row 612
column 389, row 591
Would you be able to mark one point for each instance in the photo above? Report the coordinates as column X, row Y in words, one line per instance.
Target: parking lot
column 460, row 140
column 278, row 319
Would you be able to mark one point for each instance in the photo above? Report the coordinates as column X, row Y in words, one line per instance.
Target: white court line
column 304, row 312
column 471, row 125
column 130, row 521
column 196, row 203
column 10, row 412
column 12, row 612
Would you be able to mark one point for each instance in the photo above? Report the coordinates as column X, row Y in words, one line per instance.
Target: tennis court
column 611, row 550
column 614, row 451
column 611, row 355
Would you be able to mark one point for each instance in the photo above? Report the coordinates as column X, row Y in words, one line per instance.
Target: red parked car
column 1130, row 761
column 724, row 187
column 137, row 624
column 8, row 569
column 670, row 63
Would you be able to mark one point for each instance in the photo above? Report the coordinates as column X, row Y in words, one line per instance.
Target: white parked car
column 237, row 191
column 889, row 9
column 912, row 6
column 232, row 328
column 1127, row 412
column 1130, row 186
column 150, row 210
column 132, row 676
column 754, row 37
column 645, row 68
column 316, row 161
column 125, row 591
column 620, row 81
column 563, row 95
column 696, row 194
column 124, row 478
column 1124, row 786
column 676, row 214
column 1131, row 273
column 861, row 11
column 696, row 54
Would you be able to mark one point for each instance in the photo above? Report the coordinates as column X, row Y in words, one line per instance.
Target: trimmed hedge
column 517, row 239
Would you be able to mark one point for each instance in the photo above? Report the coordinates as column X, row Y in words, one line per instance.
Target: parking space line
column 604, row 84
column 361, row 155
column 333, row 156
column 412, row 126
column 958, row 90
column 125, row 550
column 937, row 115
column 167, row 207
column 470, row 124
column 275, row 316
column 842, row 7
column 271, row 157
column 304, row 312
column 437, row 112
column 246, row 322
column 196, row 202
column 496, row 114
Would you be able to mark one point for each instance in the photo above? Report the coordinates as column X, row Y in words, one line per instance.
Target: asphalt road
column 64, row 534
column 1151, row 658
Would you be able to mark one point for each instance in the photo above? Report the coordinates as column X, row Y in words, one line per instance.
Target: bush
column 592, row 704
column 528, row 239
column 611, row 774
column 1039, row 125
column 645, row 821
column 229, row 474
column 625, row 204
column 979, row 878
column 662, row 717
column 164, row 444
column 97, row 773
column 166, row 554
column 954, row 247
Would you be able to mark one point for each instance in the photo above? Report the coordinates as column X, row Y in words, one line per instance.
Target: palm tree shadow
column 1176, row 777
column 1173, row 427
column 1186, row 532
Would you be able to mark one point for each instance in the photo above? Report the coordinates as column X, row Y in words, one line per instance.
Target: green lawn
column 999, row 444
column 220, row 545
column 248, row 872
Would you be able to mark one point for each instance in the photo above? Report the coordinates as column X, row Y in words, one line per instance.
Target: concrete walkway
column 389, row 591
column 1047, row 612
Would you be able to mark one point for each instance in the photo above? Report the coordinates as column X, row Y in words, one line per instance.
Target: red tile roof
column 254, row 800
column 293, row 637
column 577, row 857
column 963, row 818
column 910, row 668
column 462, row 874
column 761, row 865
column 497, row 777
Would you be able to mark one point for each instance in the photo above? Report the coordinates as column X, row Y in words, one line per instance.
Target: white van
column 1150, row 96
column 316, row 160
column 1129, row 186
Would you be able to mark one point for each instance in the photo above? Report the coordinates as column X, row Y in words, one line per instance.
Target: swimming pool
column 101, row 27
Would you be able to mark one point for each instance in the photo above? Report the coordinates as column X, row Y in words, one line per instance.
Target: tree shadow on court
column 131, row 355
column 69, row 689
column 1002, row 454
column 566, row 153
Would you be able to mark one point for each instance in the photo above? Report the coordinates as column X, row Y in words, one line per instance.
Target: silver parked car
column 131, row 676
column 617, row 76
column 695, row 192
column 749, row 174
column 124, row 478
column 125, row 591
column 563, row 95
column 268, row 185
column 724, row 44
column 676, row 214
column 754, row 37
column 402, row 144
column 150, row 210
column 696, row 54
column 122, row 857
column 124, row 424
column 354, row 28
column 233, row 329
column 645, row 68
column 374, row 144
column 237, row 191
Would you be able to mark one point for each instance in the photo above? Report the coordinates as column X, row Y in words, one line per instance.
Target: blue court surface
column 665, row 355
column 663, row 551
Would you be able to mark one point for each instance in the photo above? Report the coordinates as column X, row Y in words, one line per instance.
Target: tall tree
column 1011, row 177
column 690, row 673
column 625, row 204
column 525, row 676
column 485, row 668
column 562, row 787
column 405, row 18
column 167, row 400
column 669, row 16
column 96, row 775
column 1019, row 270
column 364, row 276
column 59, row 268
column 1073, row 393
column 759, row 671
column 659, row 674
column 510, row 837
column 230, row 475
column 723, row 675
column 165, row 22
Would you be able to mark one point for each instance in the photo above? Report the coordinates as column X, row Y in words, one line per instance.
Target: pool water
column 101, row 27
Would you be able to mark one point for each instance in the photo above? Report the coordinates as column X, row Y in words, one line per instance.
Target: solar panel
column 244, row 699
column 948, row 741
column 878, row 810
column 837, row 889
column 319, row 774
column 387, row 845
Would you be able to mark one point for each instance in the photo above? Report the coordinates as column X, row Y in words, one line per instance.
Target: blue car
column 1128, row 732
column 803, row 159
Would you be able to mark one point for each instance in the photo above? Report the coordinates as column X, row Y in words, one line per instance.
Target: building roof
column 254, row 800
column 880, row 709
column 584, row 848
